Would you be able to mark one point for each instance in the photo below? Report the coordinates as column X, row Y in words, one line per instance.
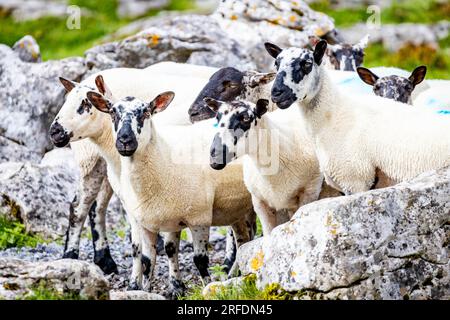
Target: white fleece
column 298, row 179
column 357, row 136
column 165, row 191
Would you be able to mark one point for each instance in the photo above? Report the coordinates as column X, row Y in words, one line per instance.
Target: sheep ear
column 213, row 104
column 102, row 87
column 363, row 43
column 272, row 49
column 367, row 76
column 418, row 75
column 99, row 101
column 161, row 102
column 319, row 51
column 257, row 79
column 68, row 84
column 313, row 41
column 261, row 107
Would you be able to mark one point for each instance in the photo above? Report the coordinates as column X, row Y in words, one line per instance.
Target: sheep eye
column 307, row 65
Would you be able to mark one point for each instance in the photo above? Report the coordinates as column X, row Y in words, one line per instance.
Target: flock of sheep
column 182, row 147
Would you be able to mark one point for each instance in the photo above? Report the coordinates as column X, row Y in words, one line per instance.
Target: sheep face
column 298, row 73
column 344, row 56
column 76, row 118
column 131, row 119
column 393, row 87
column 228, row 84
column 235, row 120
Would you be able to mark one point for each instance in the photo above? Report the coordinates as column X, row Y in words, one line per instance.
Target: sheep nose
column 56, row 129
column 276, row 92
column 126, row 139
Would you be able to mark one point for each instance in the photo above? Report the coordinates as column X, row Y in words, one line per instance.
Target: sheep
column 343, row 56
column 362, row 142
column 290, row 180
column 161, row 192
column 436, row 98
column 94, row 190
column 228, row 84
column 393, row 87
column 73, row 123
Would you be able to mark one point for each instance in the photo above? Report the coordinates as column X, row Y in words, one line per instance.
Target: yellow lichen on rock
column 257, row 262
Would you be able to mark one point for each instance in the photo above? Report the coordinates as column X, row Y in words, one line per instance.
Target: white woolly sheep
column 166, row 194
column 73, row 123
column 393, row 87
column 436, row 98
column 94, row 190
column 361, row 142
column 290, row 179
column 343, row 56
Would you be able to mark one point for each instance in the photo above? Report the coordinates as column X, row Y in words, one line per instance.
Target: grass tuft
column 41, row 292
column 57, row 41
column 13, row 234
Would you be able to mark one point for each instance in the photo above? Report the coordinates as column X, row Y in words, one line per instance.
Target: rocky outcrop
column 233, row 36
column 191, row 38
column 286, row 23
column 339, row 4
column 19, row 278
column 28, row 49
column 22, row 10
column 11, row 151
column 31, row 95
column 137, row 8
column 396, row 37
column 389, row 243
column 39, row 196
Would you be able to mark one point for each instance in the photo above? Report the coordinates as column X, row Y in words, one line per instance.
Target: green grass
column 56, row 41
column 414, row 11
column 13, row 234
column 438, row 62
column 247, row 290
column 41, row 292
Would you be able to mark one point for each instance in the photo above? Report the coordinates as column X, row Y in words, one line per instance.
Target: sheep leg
column 310, row 193
column 172, row 245
column 230, row 251
column 242, row 235
column 148, row 259
column 266, row 215
column 136, row 244
column 97, row 214
column 88, row 189
column 200, row 237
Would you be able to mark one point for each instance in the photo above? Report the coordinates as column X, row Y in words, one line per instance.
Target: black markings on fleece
column 85, row 106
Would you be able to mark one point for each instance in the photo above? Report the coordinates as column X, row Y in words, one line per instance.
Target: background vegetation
column 57, row 42
column 406, row 11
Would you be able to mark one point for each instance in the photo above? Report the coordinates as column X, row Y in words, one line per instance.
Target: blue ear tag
column 215, row 125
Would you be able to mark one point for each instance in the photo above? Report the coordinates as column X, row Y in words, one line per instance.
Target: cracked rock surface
column 389, row 243
column 19, row 277
column 31, row 95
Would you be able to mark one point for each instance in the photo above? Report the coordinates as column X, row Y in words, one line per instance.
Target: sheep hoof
column 72, row 254
column 176, row 289
column 133, row 286
column 104, row 260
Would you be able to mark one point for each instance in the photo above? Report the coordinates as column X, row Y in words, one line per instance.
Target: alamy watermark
column 73, row 21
